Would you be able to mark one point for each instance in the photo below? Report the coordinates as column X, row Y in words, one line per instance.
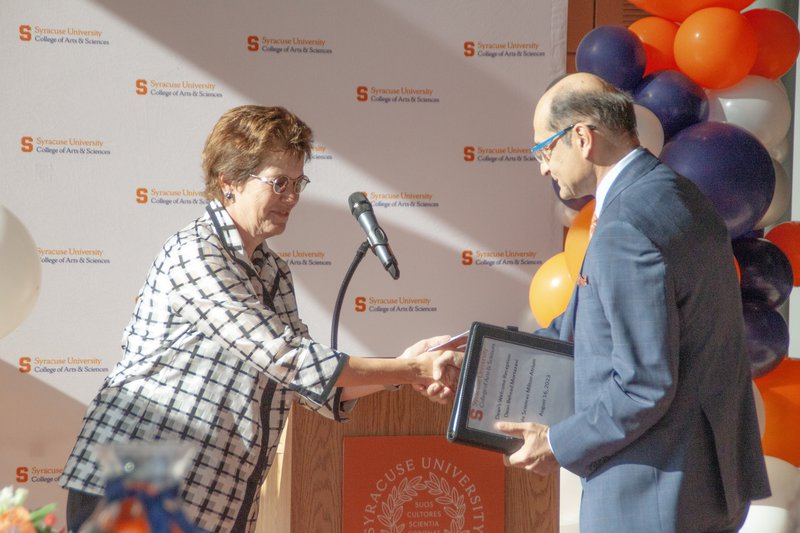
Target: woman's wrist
column 419, row 370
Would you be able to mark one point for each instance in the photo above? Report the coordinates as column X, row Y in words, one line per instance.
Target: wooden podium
column 303, row 492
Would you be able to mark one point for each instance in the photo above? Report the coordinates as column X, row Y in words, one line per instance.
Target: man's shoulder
column 657, row 186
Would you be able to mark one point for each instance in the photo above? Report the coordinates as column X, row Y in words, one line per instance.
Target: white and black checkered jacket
column 214, row 354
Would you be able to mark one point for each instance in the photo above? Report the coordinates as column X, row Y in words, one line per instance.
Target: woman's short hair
column 607, row 107
column 246, row 137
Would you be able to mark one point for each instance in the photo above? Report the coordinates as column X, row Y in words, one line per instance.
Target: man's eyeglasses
column 281, row 183
column 541, row 152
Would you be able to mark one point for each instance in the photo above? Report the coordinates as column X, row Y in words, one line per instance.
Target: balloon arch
column 704, row 75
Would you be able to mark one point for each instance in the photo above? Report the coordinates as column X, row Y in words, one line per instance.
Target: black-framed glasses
column 542, row 151
column 281, row 183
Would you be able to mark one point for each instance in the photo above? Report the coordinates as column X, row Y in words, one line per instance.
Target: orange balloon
column 778, row 42
column 577, row 239
column 780, row 392
column 550, row 291
column 786, row 236
column 716, row 47
column 678, row 10
column 658, row 37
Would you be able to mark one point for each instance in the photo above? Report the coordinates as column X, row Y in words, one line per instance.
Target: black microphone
column 378, row 241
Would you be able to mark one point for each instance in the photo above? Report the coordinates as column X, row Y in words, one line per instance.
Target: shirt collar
column 608, row 180
column 230, row 236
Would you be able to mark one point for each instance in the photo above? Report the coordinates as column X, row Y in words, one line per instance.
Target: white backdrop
column 423, row 105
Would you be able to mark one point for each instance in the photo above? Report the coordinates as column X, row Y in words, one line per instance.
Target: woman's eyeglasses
column 281, row 183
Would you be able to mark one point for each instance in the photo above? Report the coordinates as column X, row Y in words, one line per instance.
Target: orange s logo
column 469, row 48
column 141, row 86
column 252, row 43
column 361, row 304
column 26, row 144
column 24, row 365
column 469, row 153
column 22, row 474
column 466, row 257
column 476, row 414
column 24, row 33
column 361, row 93
column 141, row 195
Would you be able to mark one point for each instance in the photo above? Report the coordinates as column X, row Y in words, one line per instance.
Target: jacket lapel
column 641, row 164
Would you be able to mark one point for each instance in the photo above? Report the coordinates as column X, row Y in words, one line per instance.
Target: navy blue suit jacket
column 665, row 432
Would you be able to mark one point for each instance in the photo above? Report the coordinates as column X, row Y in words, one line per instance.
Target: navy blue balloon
column 730, row 166
column 573, row 203
column 754, row 234
column 767, row 337
column 766, row 271
column 615, row 54
column 677, row 101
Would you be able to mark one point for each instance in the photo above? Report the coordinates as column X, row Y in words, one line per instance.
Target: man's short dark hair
column 608, row 108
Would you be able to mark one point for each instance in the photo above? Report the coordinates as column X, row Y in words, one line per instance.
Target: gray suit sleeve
column 628, row 368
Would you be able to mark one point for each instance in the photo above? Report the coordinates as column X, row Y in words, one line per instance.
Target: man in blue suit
column 665, row 434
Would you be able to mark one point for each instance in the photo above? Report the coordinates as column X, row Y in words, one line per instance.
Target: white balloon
column 760, row 412
column 757, row 104
column 766, row 518
column 651, row 133
column 780, row 199
column 20, row 272
column 780, row 151
column 784, row 480
column 779, row 512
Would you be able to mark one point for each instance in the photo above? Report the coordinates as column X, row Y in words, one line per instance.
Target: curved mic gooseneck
column 377, row 240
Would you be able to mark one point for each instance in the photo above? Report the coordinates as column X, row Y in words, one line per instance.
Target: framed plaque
column 510, row 376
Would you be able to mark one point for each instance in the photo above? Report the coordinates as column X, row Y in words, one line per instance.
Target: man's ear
column 584, row 138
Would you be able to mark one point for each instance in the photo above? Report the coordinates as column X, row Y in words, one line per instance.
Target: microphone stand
column 345, row 282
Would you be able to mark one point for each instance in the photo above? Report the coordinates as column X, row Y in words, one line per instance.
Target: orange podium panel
column 420, row 484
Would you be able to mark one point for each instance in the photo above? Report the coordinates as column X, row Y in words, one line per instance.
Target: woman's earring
column 229, row 195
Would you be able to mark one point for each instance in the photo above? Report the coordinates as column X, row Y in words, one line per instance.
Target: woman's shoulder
column 197, row 238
